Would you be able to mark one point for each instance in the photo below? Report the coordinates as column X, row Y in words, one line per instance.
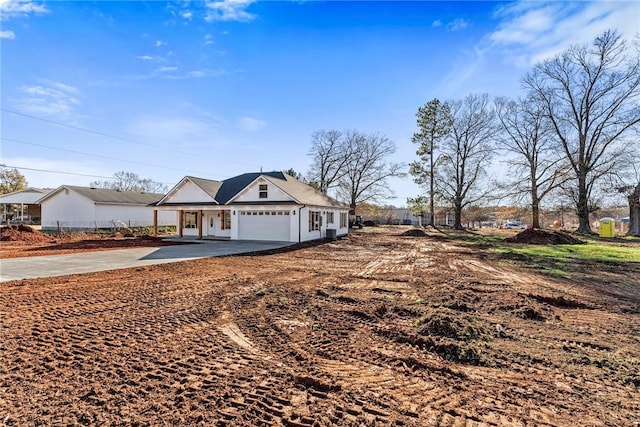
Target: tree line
column 573, row 134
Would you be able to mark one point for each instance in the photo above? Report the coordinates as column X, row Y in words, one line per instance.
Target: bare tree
column 434, row 123
column 466, row 153
column 590, row 95
column 330, row 153
column 367, row 169
column 129, row 181
column 537, row 168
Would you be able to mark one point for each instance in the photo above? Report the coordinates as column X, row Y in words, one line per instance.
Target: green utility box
column 607, row 227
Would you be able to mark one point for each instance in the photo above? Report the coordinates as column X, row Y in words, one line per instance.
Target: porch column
column 180, row 222
column 200, row 224
column 155, row 222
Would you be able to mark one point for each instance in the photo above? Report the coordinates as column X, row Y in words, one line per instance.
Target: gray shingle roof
column 102, row 195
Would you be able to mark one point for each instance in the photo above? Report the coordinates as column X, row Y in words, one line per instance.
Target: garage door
column 264, row 225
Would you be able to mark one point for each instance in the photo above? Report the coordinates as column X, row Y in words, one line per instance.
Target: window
column 191, row 220
column 226, row 220
column 329, row 217
column 314, row 220
column 343, row 220
column 263, row 191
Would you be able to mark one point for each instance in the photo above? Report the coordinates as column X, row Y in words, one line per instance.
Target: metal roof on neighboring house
column 103, row 195
column 27, row 196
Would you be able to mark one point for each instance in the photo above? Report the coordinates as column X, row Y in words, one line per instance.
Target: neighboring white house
column 82, row 208
column 23, row 204
column 254, row 206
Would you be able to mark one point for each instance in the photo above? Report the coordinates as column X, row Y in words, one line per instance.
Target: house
column 21, row 206
column 82, row 208
column 254, row 206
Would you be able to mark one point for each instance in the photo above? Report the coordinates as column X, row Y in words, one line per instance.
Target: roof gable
column 251, row 193
column 233, row 186
column 192, row 190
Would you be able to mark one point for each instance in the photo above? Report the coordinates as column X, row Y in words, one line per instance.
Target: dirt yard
column 24, row 241
column 374, row 329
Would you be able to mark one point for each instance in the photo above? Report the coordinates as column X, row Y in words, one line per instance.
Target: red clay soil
column 24, row 241
column 22, row 233
column 535, row 236
column 371, row 330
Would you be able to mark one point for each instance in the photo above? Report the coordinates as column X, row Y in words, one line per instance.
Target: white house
column 82, row 208
column 254, row 206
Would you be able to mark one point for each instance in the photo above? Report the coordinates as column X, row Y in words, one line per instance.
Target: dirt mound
column 534, row 236
column 22, row 233
column 414, row 232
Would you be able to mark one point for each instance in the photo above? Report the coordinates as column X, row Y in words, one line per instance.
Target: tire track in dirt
column 352, row 336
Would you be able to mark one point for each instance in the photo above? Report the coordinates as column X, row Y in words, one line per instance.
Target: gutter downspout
column 300, row 223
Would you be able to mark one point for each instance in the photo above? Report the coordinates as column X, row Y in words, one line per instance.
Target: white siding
column 305, row 234
column 67, row 209
column 188, row 192
column 252, row 193
column 130, row 216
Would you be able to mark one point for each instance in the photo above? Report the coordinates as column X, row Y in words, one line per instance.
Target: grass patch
column 588, row 252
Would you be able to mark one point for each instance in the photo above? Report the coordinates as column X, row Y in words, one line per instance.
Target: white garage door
column 264, row 225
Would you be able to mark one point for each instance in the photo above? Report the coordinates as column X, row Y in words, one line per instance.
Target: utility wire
column 108, row 135
column 60, row 172
column 105, row 157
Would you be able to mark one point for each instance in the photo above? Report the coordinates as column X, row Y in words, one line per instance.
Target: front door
column 211, row 224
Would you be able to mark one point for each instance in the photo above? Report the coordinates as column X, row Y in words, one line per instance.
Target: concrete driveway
column 87, row 262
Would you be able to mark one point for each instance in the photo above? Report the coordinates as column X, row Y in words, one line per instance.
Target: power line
column 95, row 132
column 108, row 135
column 105, row 157
column 60, row 172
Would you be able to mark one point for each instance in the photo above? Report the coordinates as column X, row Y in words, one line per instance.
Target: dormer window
column 263, row 191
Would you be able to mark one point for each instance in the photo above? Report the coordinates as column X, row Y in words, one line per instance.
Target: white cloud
column 228, row 10
column 170, row 73
column 530, row 32
column 159, row 43
column 457, row 24
column 166, row 69
column 7, row 34
column 15, row 8
column 208, row 39
column 51, row 99
column 251, row 124
column 186, row 14
column 149, row 58
column 436, row 23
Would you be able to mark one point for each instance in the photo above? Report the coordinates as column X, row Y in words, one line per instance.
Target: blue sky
column 218, row 88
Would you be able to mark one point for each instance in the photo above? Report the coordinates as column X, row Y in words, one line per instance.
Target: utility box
column 607, row 227
column 331, row 234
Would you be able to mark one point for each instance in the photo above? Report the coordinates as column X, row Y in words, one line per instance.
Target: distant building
column 70, row 207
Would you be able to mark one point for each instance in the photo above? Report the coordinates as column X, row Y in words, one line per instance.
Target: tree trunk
column 634, row 213
column 431, row 191
column 457, row 222
column 582, row 207
column 535, row 213
column 535, row 206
